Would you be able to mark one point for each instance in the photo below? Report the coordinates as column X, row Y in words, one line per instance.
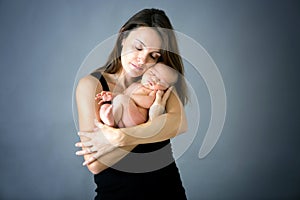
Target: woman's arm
column 87, row 106
column 161, row 128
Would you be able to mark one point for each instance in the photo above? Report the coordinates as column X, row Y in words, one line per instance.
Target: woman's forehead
column 147, row 36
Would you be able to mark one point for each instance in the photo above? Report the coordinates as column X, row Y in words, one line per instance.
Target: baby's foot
column 106, row 115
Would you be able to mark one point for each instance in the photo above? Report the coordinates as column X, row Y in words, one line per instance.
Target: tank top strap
column 102, row 80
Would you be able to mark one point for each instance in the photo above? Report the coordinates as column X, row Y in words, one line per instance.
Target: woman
column 149, row 170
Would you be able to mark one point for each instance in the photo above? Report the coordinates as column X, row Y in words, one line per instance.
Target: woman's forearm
column 163, row 127
column 109, row 159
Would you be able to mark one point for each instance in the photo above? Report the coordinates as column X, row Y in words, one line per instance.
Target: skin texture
column 105, row 145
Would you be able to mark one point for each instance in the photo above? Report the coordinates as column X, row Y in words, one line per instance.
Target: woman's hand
column 158, row 106
column 98, row 145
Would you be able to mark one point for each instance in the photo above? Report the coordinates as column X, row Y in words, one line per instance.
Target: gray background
column 255, row 45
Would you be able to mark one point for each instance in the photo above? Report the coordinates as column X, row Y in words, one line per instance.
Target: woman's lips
column 136, row 66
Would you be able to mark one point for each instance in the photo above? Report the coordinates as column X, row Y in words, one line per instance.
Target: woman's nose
column 141, row 59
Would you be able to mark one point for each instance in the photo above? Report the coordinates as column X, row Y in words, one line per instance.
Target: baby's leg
column 126, row 113
column 106, row 114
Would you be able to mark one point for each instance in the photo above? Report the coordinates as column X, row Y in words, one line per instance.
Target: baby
column 131, row 107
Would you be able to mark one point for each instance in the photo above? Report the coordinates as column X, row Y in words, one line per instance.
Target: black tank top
column 147, row 172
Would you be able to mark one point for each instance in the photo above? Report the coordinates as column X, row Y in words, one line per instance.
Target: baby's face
column 159, row 77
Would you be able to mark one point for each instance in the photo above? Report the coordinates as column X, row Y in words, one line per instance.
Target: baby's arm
column 144, row 101
column 141, row 96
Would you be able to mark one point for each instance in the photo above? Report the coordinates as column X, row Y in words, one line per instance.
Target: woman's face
column 141, row 50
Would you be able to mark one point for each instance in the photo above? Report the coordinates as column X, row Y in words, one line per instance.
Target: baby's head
column 159, row 77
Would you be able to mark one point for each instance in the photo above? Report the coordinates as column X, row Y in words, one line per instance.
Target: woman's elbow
column 183, row 124
column 95, row 167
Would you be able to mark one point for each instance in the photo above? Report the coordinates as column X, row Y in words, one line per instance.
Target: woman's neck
column 123, row 80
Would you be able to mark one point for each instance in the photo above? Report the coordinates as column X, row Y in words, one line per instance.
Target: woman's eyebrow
column 141, row 42
column 146, row 46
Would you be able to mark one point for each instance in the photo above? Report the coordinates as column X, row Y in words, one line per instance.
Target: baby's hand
column 104, row 96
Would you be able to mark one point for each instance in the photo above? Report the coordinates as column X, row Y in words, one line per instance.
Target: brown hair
column 169, row 54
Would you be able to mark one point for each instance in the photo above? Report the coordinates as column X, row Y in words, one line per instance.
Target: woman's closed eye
column 155, row 56
column 139, row 48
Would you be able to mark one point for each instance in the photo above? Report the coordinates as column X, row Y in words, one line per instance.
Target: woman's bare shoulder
column 87, row 84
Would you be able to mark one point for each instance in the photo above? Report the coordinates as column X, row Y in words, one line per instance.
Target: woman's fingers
column 98, row 124
column 85, row 134
column 86, row 150
column 166, row 95
column 86, row 144
column 97, row 153
column 158, row 96
column 78, row 144
column 80, row 153
column 156, row 110
column 83, row 152
column 97, row 145
column 161, row 97
column 89, row 161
